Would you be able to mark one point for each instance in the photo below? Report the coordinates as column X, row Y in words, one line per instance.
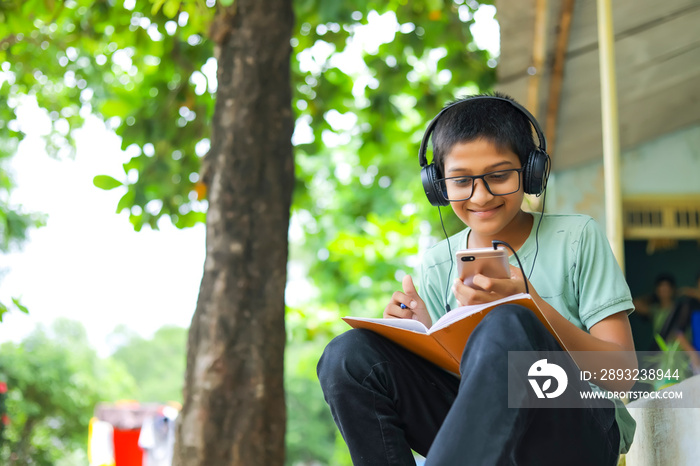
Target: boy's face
column 487, row 215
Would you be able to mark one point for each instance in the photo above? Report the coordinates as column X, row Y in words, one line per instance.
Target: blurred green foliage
column 15, row 222
column 54, row 380
column 156, row 364
column 359, row 217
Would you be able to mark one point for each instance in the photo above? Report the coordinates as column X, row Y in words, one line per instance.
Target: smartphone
column 486, row 261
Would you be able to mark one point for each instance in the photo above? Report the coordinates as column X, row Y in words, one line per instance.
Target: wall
column 667, row 165
column 667, row 434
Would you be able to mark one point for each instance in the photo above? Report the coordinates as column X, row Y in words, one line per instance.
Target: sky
column 87, row 263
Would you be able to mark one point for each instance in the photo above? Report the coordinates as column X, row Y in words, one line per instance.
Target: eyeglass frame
column 478, row 177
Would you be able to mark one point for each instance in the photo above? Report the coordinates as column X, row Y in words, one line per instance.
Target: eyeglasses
column 498, row 183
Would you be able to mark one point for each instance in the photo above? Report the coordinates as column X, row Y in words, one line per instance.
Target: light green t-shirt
column 575, row 272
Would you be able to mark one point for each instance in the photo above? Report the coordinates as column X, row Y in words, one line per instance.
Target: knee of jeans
column 508, row 322
column 346, row 354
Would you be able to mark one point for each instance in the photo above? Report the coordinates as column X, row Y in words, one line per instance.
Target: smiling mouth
column 485, row 211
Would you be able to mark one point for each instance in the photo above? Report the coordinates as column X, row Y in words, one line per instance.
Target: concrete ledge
column 667, row 435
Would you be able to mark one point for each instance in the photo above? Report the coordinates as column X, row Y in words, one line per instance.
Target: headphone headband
column 536, row 167
column 429, row 130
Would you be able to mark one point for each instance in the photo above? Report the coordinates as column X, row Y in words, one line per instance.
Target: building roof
column 657, row 56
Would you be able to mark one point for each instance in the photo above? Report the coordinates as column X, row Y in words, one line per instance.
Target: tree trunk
column 234, row 411
column 21, row 454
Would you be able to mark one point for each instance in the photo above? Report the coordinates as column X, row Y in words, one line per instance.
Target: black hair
column 665, row 277
column 661, row 278
column 490, row 119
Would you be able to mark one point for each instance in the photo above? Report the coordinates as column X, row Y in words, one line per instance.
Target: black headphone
column 536, row 168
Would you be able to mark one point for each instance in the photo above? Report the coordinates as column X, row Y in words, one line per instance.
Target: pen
column 403, row 306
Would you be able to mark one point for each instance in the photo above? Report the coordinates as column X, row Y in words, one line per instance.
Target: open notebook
column 443, row 344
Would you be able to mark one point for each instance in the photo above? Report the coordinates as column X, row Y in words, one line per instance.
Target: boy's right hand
column 414, row 305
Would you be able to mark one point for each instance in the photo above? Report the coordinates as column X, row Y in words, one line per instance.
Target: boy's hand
column 486, row 289
column 413, row 305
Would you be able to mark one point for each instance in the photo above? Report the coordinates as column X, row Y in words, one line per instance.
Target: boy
column 387, row 401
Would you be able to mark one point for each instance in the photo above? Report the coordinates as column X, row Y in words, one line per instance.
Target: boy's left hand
column 486, row 289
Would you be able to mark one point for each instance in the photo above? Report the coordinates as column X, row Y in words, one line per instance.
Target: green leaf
column 171, row 8
column 20, row 306
column 226, row 2
column 116, row 107
column 126, row 201
column 156, row 6
column 660, row 341
column 106, row 182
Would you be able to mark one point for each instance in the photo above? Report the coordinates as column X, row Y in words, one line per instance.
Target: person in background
column 651, row 312
column 683, row 324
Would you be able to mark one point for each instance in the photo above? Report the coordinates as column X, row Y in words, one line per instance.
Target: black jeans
column 386, row 401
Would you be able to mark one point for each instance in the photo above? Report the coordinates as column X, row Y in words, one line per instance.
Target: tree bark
column 21, row 453
column 234, row 411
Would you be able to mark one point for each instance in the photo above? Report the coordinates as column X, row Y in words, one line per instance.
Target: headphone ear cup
column 428, row 176
column 536, row 172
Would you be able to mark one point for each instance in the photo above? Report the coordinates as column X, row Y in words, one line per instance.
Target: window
column 662, row 220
